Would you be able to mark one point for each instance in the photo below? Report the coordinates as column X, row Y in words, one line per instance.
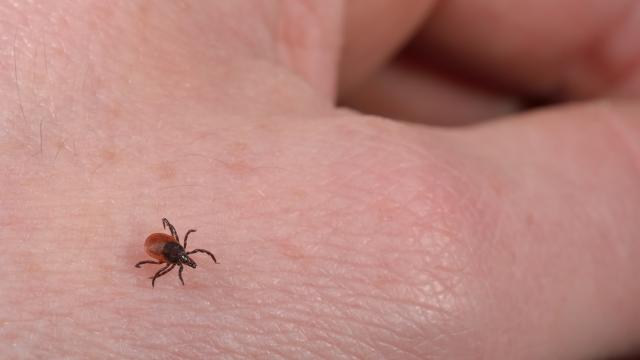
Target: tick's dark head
column 185, row 259
column 173, row 252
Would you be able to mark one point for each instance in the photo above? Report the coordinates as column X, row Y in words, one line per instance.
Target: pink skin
column 338, row 235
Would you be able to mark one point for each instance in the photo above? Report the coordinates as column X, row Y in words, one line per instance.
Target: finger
column 406, row 90
column 552, row 49
column 373, row 31
column 559, row 231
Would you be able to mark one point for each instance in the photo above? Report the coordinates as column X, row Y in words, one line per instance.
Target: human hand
column 338, row 234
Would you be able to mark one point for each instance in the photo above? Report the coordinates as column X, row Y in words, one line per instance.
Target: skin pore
column 339, row 234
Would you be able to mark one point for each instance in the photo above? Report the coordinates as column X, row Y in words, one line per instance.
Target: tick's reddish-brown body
column 167, row 249
column 154, row 244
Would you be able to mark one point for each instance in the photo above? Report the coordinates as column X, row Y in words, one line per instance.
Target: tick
column 167, row 249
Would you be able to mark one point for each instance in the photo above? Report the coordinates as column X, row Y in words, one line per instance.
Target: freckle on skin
column 531, row 221
column 108, row 155
column 498, row 189
column 238, row 167
column 381, row 282
column 299, row 194
column 59, row 145
column 265, row 126
column 114, row 112
column 239, row 148
column 165, row 171
column 290, row 250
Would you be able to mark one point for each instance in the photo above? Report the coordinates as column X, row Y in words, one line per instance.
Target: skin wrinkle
column 253, row 350
column 386, row 298
column 360, row 320
column 17, row 82
column 357, row 304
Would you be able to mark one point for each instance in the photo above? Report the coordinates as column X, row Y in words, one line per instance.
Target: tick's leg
column 203, row 251
column 180, row 274
column 187, row 236
column 147, row 262
column 161, row 272
column 174, row 233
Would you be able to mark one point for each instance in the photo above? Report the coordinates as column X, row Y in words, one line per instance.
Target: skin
column 339, row 235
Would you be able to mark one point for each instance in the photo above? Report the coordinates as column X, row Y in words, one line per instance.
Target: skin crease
column 339, row 235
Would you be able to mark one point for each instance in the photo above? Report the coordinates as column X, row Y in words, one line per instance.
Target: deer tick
column 167, row 249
